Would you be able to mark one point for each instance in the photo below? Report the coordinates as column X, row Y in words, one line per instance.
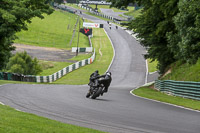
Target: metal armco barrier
column 185, row 89
column 17, row 77
column 1, row 75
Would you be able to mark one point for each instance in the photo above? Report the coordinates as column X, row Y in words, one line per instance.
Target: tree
column 22, row 63
column 153, row 26
column 186, row 39
column 14, row 16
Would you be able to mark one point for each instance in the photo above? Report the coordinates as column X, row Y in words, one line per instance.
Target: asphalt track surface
column 116, row 111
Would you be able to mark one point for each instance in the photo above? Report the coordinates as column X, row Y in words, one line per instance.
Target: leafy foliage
column 153, row 25
column 22, row 63
column 186, row 39
column 14, row 16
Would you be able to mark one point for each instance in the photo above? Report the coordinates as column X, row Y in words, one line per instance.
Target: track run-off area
column 116, row 111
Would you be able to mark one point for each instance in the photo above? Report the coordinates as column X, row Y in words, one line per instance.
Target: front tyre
column 97, row 93
column 88, row 95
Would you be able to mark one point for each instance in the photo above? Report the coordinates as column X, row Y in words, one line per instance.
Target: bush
column 23, row 63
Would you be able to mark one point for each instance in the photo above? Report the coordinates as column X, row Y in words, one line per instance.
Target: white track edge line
column 2, row 103
column 18, row 110
column 146, row 72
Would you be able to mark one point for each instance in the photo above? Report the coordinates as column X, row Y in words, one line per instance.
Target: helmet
column 96, row 71
column 108, row 73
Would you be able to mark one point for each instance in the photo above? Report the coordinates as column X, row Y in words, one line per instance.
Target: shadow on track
column 100, row 99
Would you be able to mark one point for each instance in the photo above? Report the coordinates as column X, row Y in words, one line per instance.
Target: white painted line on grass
column 100, row 52
column 2, row 103
column 18, row 110
column 163, row 102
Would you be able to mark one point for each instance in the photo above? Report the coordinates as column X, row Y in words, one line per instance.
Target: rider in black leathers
column 92, row 78
column 105, row 81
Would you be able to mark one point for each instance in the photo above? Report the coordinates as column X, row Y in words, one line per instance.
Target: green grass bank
column 152, row 65
column 54, row 30
column 183, row 72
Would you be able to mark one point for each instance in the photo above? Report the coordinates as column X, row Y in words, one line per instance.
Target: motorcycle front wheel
column 97, row 93
column 88, row 95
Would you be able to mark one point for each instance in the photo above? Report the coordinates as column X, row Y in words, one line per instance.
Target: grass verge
column 101, row 43
column 152, row 65
column 184, row 72
column 157, row 95
column 54, row 30
column 81, row 57
column 2, row 82
column 133, row 13
column 50, row 67
column 12, row 121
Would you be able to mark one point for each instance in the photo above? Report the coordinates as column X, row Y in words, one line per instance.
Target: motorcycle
column 96, row 91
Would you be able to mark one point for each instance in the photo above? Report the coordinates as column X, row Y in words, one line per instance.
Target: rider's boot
column 104, row 91
column 88, row 94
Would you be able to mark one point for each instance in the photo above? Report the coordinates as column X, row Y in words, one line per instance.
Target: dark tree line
column 170, row 29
